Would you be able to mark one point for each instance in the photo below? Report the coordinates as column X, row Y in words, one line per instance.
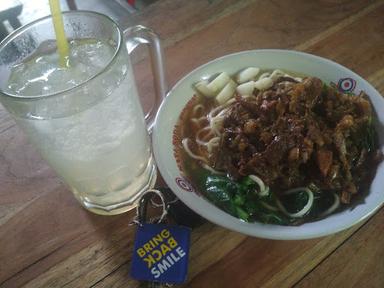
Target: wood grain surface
column 48, row 240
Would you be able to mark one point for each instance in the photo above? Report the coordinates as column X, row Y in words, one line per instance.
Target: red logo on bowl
column 346, row 85
column 184, row 184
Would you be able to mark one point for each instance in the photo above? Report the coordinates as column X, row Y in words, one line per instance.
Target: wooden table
column 48, row 240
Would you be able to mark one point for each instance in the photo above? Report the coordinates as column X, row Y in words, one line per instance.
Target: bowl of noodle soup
column 175, row 168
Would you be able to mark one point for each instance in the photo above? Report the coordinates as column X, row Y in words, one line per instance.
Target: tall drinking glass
column 86, row 120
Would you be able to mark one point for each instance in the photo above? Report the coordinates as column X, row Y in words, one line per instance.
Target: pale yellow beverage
column 103, row 152
column 80, row 107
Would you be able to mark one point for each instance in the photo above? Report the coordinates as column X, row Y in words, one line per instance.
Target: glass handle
column 135, row 36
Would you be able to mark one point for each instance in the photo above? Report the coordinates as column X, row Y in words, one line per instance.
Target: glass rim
column 7, row 40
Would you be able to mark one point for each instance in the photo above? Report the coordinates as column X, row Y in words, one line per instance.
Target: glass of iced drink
column 85, row 119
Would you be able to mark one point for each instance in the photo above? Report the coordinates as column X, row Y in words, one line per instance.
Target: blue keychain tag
column 161, row 253
column 160, row 250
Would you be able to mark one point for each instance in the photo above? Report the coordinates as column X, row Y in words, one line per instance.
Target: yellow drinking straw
column 62, row 43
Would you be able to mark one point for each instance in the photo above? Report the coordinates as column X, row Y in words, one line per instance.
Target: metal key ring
column 157, row 205
column 141, row 209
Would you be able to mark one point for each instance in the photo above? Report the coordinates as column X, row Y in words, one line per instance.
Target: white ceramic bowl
column 304, row 63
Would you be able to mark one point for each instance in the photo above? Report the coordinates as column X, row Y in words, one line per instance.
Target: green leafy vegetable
column 241, row 200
